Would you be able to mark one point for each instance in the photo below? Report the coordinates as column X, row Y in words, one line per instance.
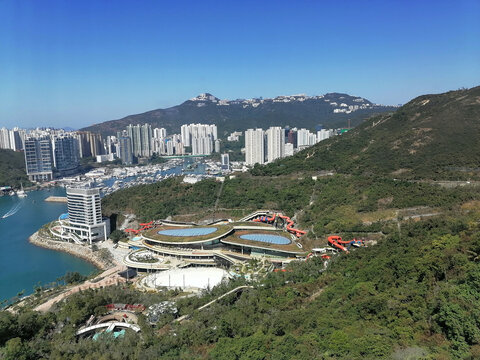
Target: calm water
column 22, row 265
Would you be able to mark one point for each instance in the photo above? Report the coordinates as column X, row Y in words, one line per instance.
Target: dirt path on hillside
column 107, row 278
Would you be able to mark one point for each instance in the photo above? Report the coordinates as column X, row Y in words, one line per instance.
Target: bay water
column 23, row 265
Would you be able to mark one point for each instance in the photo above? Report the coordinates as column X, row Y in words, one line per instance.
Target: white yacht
column 21, row 193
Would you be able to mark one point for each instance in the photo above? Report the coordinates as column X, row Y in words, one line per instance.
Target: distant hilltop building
column 254, row 146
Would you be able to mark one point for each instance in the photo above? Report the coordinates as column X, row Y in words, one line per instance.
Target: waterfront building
column 179, row 148
column 140, row 136
column 65, row 155
column 275, row 143
column 225, row 162
column 208, row 133
column 170, row 147
column 89, row 144
column 38, row 158
column 125, row 150
column 254, row 146
column 202, row 145
column 105, row 158
column 84, row 221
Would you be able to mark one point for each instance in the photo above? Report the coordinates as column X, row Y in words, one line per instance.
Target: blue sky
column 75, row 63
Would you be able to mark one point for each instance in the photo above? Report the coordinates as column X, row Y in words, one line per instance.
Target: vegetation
column 431, row 137
column 411, row 295
column 12, row 169
column 414, row 291
column 117, row 235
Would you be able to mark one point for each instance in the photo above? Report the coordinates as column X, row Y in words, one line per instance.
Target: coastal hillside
column 332, row 110
column 411, row 294
column 431, row 137
column 12, row 168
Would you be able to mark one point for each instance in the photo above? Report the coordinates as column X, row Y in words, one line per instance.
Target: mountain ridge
column 332, row 110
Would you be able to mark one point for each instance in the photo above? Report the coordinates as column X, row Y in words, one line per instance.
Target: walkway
column 110, row 326
column 107, row 278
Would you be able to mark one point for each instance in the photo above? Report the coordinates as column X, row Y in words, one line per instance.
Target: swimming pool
column 188, row 231
column 272, row 239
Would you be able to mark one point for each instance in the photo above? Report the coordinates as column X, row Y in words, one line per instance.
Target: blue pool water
column 188, row 232
column 272, row 239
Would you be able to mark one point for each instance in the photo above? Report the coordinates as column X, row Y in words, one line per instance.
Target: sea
column 24, row 266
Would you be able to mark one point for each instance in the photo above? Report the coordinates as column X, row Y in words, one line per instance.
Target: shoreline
column 79, row 251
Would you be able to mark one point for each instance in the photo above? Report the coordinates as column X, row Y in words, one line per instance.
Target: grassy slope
column 431, row 137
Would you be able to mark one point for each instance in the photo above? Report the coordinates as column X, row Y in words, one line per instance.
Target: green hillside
column 12, row 168
column 431, row 137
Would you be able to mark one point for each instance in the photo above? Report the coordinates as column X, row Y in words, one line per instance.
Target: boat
column 21, row 193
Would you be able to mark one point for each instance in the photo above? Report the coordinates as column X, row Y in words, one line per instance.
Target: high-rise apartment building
column 159, row 133
column 302, row 137
column 85, row 222
column 38, row 158
column 254, row 146
column 324, row 134
column 197, row 131
column 65, row 155
column 4, row 138
column 124, row 150
column 89, row 144
column 275, row 143
column 140, row 136
column 225, row 161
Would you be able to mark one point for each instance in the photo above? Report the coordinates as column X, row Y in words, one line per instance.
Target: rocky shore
column 80, row 251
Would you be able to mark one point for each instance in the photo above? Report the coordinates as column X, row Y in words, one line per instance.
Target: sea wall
column 79, row 251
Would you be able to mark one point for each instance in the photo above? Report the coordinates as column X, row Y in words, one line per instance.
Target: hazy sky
column 74, row 63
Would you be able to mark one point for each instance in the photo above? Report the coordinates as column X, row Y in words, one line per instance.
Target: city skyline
column 78, row 63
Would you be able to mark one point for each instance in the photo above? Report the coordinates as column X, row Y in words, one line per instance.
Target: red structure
column 126, row 307
column 289, row 222
column 144, row 226
column 336, row 241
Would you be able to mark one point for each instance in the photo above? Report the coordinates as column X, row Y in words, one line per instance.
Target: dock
column 60, row 199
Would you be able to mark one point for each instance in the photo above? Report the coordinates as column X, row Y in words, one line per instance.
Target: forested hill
column 12, row 168
column 433, row 136
column 331, row 110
